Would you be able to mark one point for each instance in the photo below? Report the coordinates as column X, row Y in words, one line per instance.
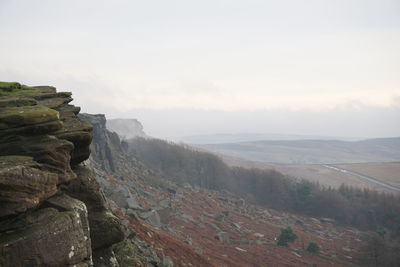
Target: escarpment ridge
column 52, row 210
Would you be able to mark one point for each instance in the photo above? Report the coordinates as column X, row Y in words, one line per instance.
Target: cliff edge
column 53, row 212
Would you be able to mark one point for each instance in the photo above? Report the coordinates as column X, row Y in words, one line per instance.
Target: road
column 364, row 177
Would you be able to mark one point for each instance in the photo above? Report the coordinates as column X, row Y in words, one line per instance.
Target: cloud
column 94, row 92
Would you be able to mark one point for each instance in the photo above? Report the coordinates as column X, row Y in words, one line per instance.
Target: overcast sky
column 325, row 67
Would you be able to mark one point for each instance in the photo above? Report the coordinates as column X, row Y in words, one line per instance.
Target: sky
column 316, row 67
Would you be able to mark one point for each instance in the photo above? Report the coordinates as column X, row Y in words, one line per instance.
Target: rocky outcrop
column 53, row 212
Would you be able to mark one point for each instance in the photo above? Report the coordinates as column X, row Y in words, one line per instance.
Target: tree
column 381, row 249
column 286, row 236
column 313, row 248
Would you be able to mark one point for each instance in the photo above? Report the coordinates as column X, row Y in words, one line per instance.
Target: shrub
column 313, row 248
column 286, row 236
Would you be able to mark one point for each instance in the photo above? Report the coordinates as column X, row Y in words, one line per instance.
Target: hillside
column 312, row 151
column 179, row 198
column 179, row 221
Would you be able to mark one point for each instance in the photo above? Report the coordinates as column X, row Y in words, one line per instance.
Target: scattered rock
column 225, row 213
column 327, row 220
column 258, row 235
column 187, row 218
column 209, row 215
column 239, row 202
column 165, row 203
column 240, row 249
column 223, row 237
column 133, row 204
column 236, row 225
column 151, row 217
column 314, row 220
column 215, row 227
column 165, row 215
column 188, row 240
column 167, row 261
column 219, row 217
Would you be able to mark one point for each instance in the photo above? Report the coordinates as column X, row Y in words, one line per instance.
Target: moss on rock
column 26, row 115
column 126, row 252
column 14, row 89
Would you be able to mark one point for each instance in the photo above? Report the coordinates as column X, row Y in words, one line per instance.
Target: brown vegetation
column 361, row 208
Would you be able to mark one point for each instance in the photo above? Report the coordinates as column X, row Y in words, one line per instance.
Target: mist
column 344, row 122
column 327, row 68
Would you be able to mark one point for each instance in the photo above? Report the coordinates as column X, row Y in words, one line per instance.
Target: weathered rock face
column 52, row 210
column 52, row 238
column 87, row 189
column 23, row 185
column 103, row 154
column 51, row 152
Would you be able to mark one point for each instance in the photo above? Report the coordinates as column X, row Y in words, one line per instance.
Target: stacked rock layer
column 52, row 211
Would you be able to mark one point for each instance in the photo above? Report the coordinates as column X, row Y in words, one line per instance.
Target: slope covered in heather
column 175, row 198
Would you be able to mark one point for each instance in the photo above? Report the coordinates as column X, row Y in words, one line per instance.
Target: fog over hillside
column 126, row 128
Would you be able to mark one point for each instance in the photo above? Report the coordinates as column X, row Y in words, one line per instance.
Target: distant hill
column 312, row 151
column 223, row 138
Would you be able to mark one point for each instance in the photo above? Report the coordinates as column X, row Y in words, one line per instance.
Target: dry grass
column 387, row 172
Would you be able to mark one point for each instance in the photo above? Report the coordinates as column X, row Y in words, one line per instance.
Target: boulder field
column 52, row 210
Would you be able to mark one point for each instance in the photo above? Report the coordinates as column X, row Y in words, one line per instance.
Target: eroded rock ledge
column 52, row 210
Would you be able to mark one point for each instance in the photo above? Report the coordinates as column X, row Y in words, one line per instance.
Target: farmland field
column 386, row 172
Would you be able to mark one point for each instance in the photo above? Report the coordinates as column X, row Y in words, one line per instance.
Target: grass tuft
column 14, row 89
